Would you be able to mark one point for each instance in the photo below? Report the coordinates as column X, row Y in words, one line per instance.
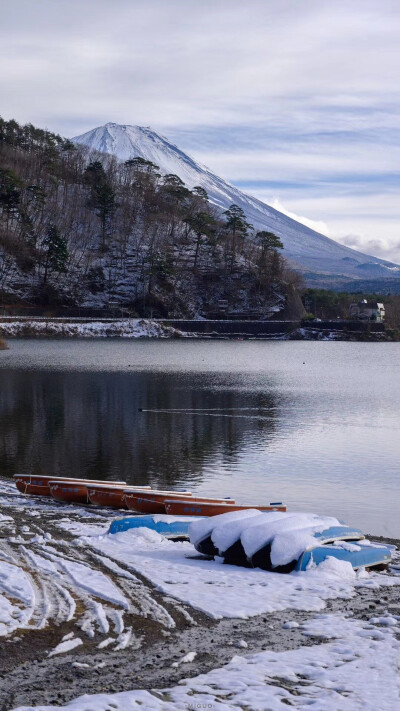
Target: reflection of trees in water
column 89, row 424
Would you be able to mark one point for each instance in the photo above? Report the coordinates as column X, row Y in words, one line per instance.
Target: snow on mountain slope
column 309, row 250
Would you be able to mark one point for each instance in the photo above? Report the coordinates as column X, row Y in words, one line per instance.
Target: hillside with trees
column 84, row 229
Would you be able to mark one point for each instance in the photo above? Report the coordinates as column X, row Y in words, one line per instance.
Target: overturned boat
column 284, row 542
column 168, row 526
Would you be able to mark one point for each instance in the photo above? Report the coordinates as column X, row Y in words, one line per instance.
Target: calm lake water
column 316, row 425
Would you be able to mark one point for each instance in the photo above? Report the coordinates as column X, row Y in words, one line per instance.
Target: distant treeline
column 79, row 228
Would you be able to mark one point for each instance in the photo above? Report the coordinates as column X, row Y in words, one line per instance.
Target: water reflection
column 141, row 427
column 314, row 424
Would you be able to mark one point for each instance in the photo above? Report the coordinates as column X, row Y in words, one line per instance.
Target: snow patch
column 66, row 646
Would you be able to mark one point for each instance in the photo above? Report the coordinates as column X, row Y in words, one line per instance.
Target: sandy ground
column 29, row 677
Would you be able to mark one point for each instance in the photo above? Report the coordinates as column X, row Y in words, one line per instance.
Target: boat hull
column 39, row 485
column 262, row 557
column 167, row 528
column 151, row 503
column 66, row 493
column 189, row 508
column 112, row 496
column 366, row 557
column 341, row 542
column 35, row 485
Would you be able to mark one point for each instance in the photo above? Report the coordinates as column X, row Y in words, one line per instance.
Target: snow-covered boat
column 359, row 552
column 284, row 542
column 340, row 542
column 109, row 495
column 214, row 507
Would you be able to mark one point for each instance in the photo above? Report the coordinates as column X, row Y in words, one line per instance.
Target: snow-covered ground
column 61, row 569
column 224, row 591
column 130, row 328
column 357, row 669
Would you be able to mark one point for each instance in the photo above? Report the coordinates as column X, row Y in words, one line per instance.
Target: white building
column 368, row 310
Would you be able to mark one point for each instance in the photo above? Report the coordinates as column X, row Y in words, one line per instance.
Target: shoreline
column 163, row 629
column 75, row 328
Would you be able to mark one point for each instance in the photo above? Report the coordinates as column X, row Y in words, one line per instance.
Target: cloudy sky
column 294, row 101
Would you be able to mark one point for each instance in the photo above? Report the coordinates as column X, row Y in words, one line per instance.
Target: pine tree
column 268, row 240
column 56, row 252
column 102, row 197
column 237, row 226
column 10, row 193
column 200, row 192
column 203, row 225
column 269, row 261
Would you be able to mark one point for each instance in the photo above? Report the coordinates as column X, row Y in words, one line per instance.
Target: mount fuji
column 323, row 261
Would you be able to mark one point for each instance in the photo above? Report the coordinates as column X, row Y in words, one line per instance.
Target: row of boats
column 142, row 499
column 338, row 541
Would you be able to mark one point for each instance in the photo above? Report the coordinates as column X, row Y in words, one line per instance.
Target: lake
column 315, row 424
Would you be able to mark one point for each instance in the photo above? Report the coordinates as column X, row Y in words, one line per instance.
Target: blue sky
column 295, row 102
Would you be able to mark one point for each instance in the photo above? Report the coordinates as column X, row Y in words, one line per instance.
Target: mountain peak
column 320, row 257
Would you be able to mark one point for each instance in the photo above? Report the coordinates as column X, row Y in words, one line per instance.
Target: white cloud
column 383, row 248
column 349, row 219
column 297, row 78
column 180, row 63
column 317, row 225
column 297, row 161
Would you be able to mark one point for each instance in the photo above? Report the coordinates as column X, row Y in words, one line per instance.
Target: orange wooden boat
column 73, row 492
column 110, row 495
column 151, row 502
column 189, row 507
column 38, row 484
column 180, row 507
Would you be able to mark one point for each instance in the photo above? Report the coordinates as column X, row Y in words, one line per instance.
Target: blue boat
column 340, row 542
column 329, row 543
column 158, row 523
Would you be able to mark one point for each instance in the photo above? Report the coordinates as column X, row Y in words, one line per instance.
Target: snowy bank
column 222, row 591
column 130, row 328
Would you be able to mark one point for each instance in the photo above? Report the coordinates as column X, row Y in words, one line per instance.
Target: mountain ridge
column 306, row 249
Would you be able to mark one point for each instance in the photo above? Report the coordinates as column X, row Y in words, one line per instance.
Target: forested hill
column 84, row 229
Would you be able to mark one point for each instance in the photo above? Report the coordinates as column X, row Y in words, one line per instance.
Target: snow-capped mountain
column 310, row 251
